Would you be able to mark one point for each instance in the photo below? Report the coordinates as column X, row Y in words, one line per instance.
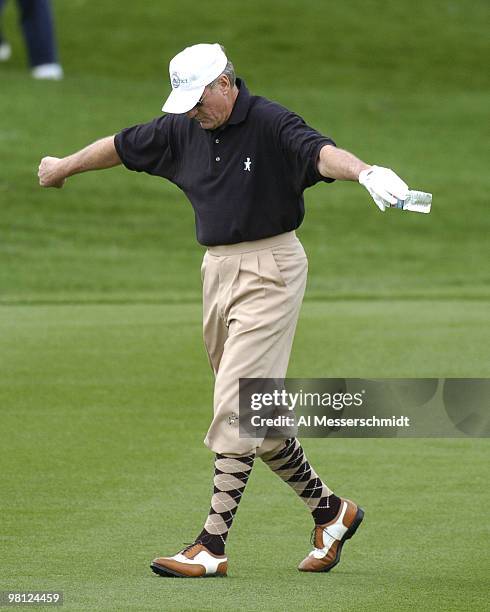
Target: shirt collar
column 242, row 104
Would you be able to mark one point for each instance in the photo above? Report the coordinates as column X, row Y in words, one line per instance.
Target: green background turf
column 401, row 84
column 106, row 392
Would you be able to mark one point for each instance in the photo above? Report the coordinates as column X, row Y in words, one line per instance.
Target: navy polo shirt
column 245, row 180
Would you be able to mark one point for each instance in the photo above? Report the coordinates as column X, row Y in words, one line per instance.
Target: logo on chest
column 247, row 164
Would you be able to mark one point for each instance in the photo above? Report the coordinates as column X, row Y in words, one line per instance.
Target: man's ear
column 225, row 84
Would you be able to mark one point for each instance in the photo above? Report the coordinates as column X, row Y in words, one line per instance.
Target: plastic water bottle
column 416, row 201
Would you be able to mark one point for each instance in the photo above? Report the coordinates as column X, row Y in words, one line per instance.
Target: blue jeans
column 37, row 27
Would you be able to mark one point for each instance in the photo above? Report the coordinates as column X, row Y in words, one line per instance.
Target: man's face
column 215, row 106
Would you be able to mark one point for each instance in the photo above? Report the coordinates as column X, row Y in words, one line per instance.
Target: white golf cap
column 190, row 71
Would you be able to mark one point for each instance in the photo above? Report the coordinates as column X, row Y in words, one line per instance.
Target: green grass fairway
column 104, row 408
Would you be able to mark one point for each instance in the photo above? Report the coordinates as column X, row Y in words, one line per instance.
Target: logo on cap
column 177, row 81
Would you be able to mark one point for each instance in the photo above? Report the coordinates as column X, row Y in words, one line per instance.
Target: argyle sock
column 290, row 464
column 230, row 479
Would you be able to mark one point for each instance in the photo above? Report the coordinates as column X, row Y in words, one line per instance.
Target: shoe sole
column 167, row 573
column 347, row 536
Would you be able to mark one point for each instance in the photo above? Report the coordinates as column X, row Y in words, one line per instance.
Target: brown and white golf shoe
column 195, row 561
column 329, row 538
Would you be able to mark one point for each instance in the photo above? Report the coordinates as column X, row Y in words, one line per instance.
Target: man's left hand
column 384, row 185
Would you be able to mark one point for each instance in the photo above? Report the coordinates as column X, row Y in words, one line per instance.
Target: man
column 244, row 162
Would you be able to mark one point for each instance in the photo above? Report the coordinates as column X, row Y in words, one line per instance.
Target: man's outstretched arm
column 384, row 186
column 53, row 171
column 339, row 164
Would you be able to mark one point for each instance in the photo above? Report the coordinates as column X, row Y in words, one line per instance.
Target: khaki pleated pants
column 252, row 295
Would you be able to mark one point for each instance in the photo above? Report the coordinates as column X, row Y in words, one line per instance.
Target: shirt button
column 218, row 159
column 217, row 141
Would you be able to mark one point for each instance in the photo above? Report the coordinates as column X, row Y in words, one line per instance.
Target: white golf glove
column 384, row 186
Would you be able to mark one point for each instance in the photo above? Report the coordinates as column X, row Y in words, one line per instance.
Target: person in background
column 36, row 21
